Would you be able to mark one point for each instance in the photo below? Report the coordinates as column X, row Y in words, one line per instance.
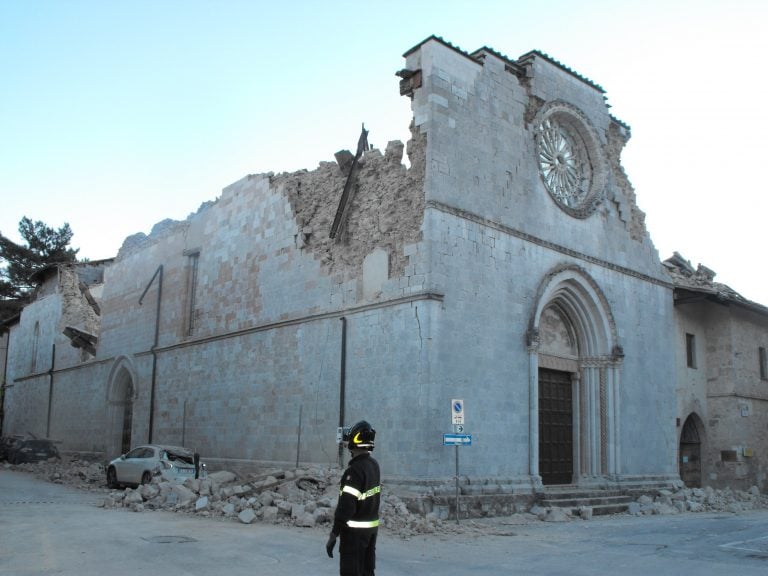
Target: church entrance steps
column 602, row 502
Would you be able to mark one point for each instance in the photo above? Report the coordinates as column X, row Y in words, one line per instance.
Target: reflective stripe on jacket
column 359, row 495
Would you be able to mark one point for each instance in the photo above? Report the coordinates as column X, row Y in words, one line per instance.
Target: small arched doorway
column 690, row 452
column 122, row 394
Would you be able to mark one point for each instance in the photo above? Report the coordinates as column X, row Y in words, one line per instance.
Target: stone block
column 148, row 491
column 201, row 504
column 246, row 516
column 266, row 498
column 184, row 495
column 555, row 514
column 206, row 487
column 132, row 497
column 284, row 507
column 269, row 513
column 323, row 515
column 222, row 477
column 305, row 520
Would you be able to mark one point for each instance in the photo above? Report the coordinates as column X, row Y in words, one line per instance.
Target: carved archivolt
column 570, row 293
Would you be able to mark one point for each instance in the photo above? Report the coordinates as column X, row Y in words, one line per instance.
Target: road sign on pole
column 457, row 411
column 457, row 439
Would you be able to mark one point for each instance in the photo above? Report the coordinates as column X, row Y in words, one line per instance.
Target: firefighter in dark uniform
column 357, row 514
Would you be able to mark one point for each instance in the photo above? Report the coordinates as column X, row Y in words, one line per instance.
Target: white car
column 140, row 465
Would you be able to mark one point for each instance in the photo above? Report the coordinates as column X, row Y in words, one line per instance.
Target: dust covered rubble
column 81, row 474
column 699, row 500
column 304, row 497
column 307, row 497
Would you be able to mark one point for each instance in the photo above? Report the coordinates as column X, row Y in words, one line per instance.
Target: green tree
column 18, row 263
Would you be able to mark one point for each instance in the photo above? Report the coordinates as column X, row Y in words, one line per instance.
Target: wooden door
column 690, row 454
column 555, row 427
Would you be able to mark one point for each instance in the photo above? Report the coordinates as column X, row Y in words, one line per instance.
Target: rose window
column 562, row 164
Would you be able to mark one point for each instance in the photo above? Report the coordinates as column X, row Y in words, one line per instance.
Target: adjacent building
column 722, row 379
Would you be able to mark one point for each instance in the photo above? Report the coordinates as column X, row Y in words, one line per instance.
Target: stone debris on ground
column 307, row 498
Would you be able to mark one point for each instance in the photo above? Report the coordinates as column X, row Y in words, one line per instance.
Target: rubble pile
column 307, row 497
column 699, row 500
column 303, row 497
column 72, row 472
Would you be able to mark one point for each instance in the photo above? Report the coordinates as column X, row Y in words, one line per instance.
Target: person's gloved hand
column 330, row 545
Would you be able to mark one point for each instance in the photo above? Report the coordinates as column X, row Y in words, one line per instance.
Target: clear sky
column 115, row 115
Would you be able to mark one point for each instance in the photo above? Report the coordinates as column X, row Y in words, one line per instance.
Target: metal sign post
column 458, row 438
column 456, row 448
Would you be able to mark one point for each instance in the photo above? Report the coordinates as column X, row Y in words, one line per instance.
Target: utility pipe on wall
column 342, row 383
column 4, row 382
column 50, row 391
column 159, row 275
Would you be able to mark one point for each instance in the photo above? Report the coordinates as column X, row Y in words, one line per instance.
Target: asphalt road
column 51, row 529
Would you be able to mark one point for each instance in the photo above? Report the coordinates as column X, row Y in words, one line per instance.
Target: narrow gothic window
column 690, row 350
column 35, row 343
column 193, row 259
column 763, row 363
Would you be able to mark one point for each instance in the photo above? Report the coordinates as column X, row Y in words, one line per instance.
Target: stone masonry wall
column 482, row 155
column 725, row 390
column 259, row 344
column 738, row 398
column 494, row 233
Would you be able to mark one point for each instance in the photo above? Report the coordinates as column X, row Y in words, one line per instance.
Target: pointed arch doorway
column 690, row 452
column 120, row 402
column 574, row 377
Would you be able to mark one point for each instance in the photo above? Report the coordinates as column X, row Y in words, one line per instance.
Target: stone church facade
column 508, row 265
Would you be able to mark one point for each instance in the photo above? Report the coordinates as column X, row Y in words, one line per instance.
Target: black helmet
column 360, row 436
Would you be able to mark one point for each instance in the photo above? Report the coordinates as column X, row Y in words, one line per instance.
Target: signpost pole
column 457, row 482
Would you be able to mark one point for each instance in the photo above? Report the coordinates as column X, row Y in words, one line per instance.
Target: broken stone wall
column 76, row 311
column 481, row 112
column 385, row 212
column 250, row 318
